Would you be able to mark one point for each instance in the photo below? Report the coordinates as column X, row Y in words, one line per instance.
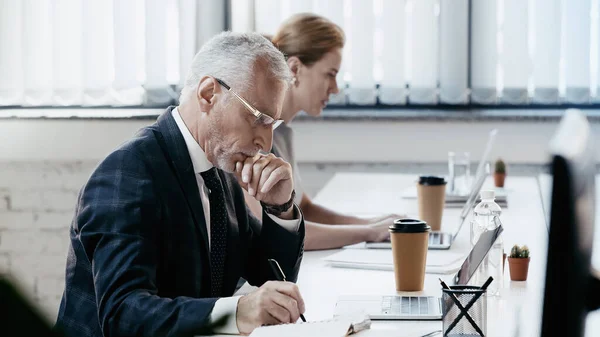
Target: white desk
column 368, row 194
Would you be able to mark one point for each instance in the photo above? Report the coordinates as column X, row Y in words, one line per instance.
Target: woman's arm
column 321, row 236
column 322, row 215
column 325, row 236
column 319, row 214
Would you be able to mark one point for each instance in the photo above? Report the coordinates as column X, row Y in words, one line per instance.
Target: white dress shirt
column 226, row 305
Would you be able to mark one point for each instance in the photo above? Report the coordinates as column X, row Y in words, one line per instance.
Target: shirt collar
column 197, row 155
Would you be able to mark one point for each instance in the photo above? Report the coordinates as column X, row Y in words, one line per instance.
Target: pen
column 487, row 283
column 280, row 276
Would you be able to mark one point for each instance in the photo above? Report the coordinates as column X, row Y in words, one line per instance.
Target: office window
column 398, row 53
column 459, row 52
column 101, row 53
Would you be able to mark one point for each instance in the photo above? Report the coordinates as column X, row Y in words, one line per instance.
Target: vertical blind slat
column 242, row 16
column 546, row 50
column 484, row 51
column 37, row 61
column 362, row 84
column 454, row 49
column 67, row 52
column 424, row 54
column 268, row 16
column 576, row 50
column 98, row 52
column 127, row 86
column 595, row 45
column 393, row 81
column 156, row 51
column 514, row 56
column 11, row 51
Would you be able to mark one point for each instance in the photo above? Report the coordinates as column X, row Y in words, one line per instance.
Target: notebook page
column 308, row 329
column 339, row 327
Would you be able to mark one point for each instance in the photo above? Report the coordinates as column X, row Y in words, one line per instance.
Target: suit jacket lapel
column 177, row 152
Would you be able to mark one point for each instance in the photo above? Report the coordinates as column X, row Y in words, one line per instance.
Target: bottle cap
column 488, row 194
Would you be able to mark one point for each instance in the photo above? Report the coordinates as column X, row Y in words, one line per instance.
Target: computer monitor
column 19, row 316
column 571, row 289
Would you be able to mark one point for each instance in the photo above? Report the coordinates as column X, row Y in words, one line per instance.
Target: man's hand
column 267, row 178
column 274, row 302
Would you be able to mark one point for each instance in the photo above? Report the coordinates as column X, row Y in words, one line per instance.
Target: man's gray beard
column 222, row 160
column 224, row 163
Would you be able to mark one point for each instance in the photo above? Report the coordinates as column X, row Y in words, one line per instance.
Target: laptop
column 458, row 200
column 416, row 307
column 444, row 240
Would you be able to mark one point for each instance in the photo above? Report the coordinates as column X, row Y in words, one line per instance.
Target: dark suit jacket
column 138, row 263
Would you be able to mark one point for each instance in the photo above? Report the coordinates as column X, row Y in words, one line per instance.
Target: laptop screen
column 480, row 176
column 470, row 203
column 476, row 255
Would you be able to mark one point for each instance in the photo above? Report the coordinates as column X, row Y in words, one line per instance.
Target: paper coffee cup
column 409, row 249
column 431, row 196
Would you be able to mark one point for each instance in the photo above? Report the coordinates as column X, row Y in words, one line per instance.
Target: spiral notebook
column 338, row 327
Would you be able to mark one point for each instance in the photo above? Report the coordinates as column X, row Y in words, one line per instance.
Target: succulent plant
column 519, row 252
column 500, row 167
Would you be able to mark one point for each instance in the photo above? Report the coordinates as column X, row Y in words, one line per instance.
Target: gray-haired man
column 161, row 233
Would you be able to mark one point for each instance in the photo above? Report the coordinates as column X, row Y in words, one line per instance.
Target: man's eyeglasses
column 261, row 118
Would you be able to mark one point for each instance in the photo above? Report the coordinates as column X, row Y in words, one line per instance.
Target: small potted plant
column 518, row 263
column 499, row 173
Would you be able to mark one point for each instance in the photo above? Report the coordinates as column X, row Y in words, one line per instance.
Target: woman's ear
column 294, row 64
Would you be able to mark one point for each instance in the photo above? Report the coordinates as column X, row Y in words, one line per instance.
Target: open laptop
column 416, row 307
column 444, row 240
column 458, row 200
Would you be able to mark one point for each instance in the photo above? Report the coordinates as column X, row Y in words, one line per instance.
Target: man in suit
column 161, row 234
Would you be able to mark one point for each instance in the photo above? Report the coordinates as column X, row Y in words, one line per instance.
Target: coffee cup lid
column 409, row 226
column 431, row 180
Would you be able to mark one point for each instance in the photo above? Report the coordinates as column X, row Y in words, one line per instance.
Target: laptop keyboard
column 435, row 238
column 407, row 305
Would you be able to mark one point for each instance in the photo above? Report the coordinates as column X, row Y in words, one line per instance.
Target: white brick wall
column 4, row 262
column 37, row 200
column 4, row 200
